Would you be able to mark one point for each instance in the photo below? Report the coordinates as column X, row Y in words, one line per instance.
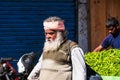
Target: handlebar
column 6, row 59
column 2, row 60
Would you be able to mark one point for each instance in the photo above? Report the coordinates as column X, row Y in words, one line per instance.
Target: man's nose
column 110, row 31
column 47, row 36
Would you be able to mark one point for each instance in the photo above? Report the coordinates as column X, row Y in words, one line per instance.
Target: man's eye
column 51, row 33
column 110, row 29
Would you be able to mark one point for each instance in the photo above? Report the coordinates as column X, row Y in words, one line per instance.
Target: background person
column 62, row 59
column 113, row 39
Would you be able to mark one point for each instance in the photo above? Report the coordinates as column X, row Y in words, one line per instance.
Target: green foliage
column 106, row 62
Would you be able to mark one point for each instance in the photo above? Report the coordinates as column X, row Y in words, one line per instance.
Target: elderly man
column 62, row 59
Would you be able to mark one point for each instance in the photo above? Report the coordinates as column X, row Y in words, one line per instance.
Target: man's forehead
column 110, row 27
column 50, row 30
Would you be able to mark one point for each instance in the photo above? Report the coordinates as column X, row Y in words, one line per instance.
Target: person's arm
column 104, row 44
column 36, row 71
column 99, row 48
column 78, row 64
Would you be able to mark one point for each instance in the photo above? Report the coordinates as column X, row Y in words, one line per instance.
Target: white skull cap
column 57, row 25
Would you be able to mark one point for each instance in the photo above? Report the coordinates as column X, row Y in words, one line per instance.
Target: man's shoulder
column 108, row 37
column 72, row 44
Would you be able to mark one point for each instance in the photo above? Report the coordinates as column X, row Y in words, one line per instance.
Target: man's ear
column 118, row 27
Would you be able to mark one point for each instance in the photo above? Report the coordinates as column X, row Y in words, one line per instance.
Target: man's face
column 53, row 40
column 114, row 30
column 111, row 30
column 50, row 35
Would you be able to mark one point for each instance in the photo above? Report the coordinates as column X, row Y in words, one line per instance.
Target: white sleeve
column 36, row 70
column 78, row 64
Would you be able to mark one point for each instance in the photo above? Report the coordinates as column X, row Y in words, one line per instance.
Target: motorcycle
column 25, row 65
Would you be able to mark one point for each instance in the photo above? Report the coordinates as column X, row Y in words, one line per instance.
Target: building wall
column 83, row 25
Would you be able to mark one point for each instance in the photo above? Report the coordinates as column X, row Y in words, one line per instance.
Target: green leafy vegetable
column 106, row 62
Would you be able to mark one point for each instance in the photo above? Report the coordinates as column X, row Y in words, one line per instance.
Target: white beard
column 54, row 44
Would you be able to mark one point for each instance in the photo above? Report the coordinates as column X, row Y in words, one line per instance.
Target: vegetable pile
column 106, row 62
